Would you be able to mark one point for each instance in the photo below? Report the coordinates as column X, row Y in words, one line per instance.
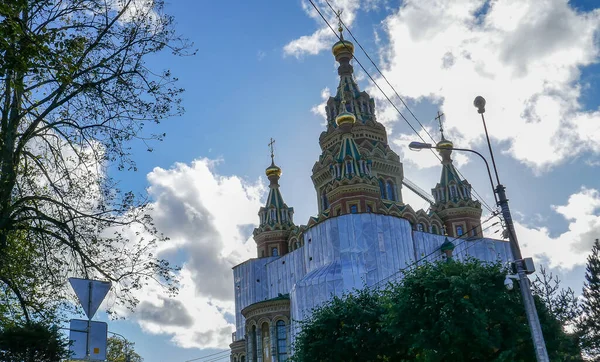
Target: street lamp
column 530, row 310
column 502, row 201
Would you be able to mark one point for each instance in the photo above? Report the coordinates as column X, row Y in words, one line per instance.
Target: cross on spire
column 439, row 119
column 338, row 15
column 272, row 153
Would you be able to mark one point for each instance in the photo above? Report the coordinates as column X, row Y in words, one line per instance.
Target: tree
column 118, row 350
column 32, row 342
column 74, row 91
column 561, row 303
column 590, row 323
column 438, row 312
column 346, row 328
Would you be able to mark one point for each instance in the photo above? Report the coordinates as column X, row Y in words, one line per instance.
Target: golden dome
column 444, row 143
column 273, row 170
column 342, row 46
column 345, row 118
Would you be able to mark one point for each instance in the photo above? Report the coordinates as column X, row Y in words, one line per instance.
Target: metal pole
column 89, row 325
column 537, row 336
column 530, row 309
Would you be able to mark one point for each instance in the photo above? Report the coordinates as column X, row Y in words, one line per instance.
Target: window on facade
column 420, row 227
column 434, row 229
column 350, row 168
column 282, row 215
column 459, row 231
column 281, row 341
column 235, row 359
column 274, row 252
column 453, row 191
column 243, row 359
column 390, row 191
column 254, row 345
column 273, row 215
column 382, row 189
column 262, row 253
column 369, row 209
column 338, row 212
column 266, row 343
column 353, row 209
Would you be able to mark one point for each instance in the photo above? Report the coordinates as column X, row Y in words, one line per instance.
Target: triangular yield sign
column 90, row 293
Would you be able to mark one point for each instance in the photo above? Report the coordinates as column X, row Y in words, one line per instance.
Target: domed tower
column 453, row 202
column 276, row 218
column 357, row 171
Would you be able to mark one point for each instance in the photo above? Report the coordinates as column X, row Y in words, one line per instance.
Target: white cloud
column 572, row 246
column 523, row 57
column 209, row 219
column 319, row 109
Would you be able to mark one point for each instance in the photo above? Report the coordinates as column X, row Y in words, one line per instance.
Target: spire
column 453, row 202
column 444, row 144
column 276, row 218
column 273, row 172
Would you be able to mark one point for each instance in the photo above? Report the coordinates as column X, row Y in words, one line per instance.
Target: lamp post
column 502, row 201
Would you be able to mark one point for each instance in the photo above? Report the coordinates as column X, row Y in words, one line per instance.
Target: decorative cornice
column 266, row 307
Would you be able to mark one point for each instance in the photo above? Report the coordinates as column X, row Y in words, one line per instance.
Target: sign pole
column 87, row 341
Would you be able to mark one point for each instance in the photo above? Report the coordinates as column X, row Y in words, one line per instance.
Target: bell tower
column 276, row 218
column 453, row 201
column 357, row 171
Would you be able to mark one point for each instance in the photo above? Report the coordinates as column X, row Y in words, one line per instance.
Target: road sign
column 78, row 336
column 90, row 293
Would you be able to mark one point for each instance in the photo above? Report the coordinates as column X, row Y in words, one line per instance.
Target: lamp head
column 418, row 146
column 479, row 103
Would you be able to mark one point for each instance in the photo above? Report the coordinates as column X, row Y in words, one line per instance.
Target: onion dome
column 342, row 46
column 345, row 119
column 273, row 170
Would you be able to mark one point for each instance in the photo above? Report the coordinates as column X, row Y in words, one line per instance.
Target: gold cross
column 439, row 119
column 271, row 146
column 338, row 14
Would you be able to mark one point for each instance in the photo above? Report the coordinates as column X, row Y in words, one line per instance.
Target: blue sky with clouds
column 261, row 70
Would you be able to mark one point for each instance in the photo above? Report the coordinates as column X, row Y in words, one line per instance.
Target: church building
column 362, row 235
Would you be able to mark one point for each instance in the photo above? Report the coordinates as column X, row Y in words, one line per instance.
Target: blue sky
column 260, row 71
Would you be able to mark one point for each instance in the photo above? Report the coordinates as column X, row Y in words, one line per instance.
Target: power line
column 208, row 355
column 385, row 95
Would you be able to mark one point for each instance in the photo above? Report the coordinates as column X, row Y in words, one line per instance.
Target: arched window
column 382, row 188
column 434, row 229
column 353, row 209
column 281, row 341
column 459, row 231
column 282, row 215
column 274, row 252
column 420, row 227
column 273, row 215
column 266, row 343
column 243, row 359
column 235, row 359
column 452, row 191
column 390, row 191
column 253, row 338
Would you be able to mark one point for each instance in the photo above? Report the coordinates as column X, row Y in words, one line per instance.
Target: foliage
column 119, row 349
column 438, row 312
column 32, row 342
column 344, row 329
column 590, row 323
column 561, row 303
column 74, row 91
